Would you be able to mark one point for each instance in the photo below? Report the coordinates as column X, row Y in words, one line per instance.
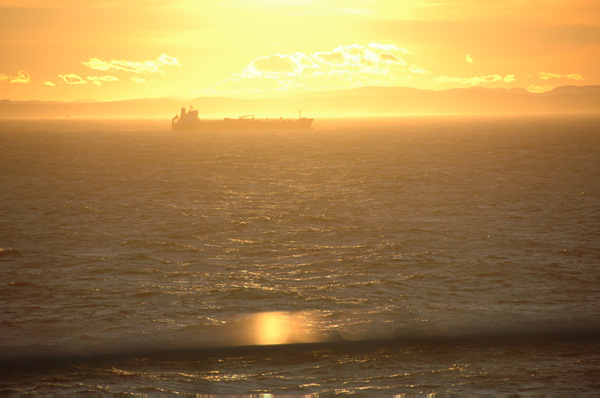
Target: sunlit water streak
column 122, row 238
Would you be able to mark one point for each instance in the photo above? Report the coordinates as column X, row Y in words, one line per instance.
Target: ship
column 188, row 120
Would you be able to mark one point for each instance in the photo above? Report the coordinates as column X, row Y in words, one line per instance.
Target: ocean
column 369, row 257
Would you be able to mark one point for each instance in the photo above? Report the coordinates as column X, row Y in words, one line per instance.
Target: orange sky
column 69, row 50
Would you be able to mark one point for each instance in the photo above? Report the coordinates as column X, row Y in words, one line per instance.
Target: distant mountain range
column 365, row 101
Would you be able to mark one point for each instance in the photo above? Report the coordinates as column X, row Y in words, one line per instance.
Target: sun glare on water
column 273, row 328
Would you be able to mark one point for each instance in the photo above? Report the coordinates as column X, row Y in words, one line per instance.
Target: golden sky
column 69, row 50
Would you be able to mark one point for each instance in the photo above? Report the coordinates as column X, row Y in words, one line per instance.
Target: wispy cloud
column 571, row 76
column 418, row 70
column 21, row 77
column 97, row 80
column 389, row 47
column 275, row 64
column 358, row 56
column 139, row 67
column 469, row 59
column 475, row 80
column 545, row 76
column 49, row 84
column 71, row 78
column 345, row 66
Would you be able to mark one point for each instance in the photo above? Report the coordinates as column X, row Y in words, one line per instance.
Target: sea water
column 385, row 256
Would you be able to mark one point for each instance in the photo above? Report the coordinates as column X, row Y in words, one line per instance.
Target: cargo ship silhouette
column 189, row 121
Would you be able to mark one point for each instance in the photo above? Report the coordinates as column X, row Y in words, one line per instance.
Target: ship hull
column 243, row 125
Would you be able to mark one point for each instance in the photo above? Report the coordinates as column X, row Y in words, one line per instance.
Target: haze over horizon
column 118, row 50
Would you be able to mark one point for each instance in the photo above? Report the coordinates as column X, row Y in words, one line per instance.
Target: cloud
column 359, row 57
column 475, row 80
column 385, row 47
column 345, row 66
column 166, row 60
column 386, row 57
column 348, row 61
column 139, row 67
column 468, row 59
column 97, row 80
column 138, row 80
column 21, row 77
column 418, row 70
column 49, row 84
column 344, row 62
column 335, row 58
column 547, row 76
column 72, row 78
column 276, row 64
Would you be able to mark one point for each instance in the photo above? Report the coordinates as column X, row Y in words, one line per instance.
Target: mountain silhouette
column 358, row 102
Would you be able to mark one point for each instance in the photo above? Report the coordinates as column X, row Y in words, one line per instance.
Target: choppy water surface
column 428, row 255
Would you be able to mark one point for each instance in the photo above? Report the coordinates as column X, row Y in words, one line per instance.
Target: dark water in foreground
column 409, row 256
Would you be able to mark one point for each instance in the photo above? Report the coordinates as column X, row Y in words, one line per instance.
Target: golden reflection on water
column 281, row 327
column 271, row 328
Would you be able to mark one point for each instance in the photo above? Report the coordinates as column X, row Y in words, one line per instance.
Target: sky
column 71, row 50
